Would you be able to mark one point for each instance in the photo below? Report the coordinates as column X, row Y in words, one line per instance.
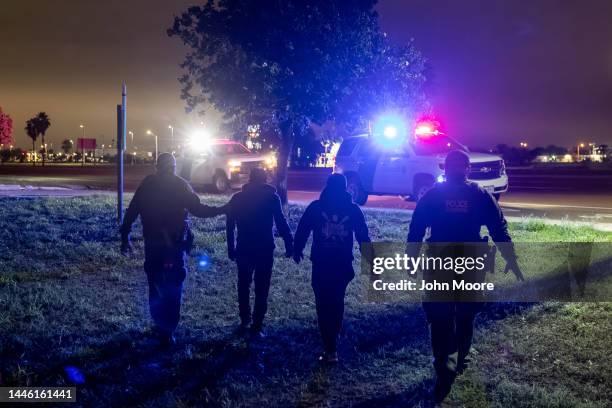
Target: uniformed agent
column 333, row 220
column 454, row 211
column 162, row 201
column 253, row 212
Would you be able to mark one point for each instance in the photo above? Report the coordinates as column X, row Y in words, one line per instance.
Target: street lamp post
column 132, row 137
column 153, row 134
column 579, row 146
column 82, row 144
column 171, row 137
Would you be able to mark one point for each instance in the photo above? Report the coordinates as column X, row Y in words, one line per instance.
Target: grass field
column 68, row 299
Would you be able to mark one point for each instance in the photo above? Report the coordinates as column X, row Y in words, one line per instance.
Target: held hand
column 516, row 270
column 297, row 257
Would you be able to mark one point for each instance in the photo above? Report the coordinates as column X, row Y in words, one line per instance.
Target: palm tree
column 42, row 123
column 32, row 134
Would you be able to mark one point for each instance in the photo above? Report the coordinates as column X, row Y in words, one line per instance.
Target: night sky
column 505, row 71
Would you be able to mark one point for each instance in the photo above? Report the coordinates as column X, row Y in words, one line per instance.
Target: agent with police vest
column 454, row 212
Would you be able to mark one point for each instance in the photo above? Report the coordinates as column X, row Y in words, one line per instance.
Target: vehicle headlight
column 270, row 161
column 234, row 166
column 441, row 178
column 502, row 170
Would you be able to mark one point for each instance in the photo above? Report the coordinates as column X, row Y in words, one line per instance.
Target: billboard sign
column 86, row 143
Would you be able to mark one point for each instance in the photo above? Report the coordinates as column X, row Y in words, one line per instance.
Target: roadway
column 554, row 196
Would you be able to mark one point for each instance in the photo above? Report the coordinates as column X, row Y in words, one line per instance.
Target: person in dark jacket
column 454, row 212
column 253, row 211
column 333, row 219
column 162, row 201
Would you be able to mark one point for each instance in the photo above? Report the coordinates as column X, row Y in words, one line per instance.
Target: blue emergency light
column 389, row 131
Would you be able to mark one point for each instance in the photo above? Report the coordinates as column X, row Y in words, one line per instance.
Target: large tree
column 6, row 128
column 394, row 83
column 290, row 62
column 67, row 146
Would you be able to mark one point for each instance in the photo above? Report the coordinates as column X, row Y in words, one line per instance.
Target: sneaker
column 329, row 358
column 163, row 337
column 441, row 390
column 256, row 333
column 167, row 340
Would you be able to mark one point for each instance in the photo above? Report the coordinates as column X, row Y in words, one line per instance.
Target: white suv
column 412, row 168
column 222, row 164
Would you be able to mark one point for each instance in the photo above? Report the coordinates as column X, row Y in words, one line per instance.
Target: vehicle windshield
column 435, row 144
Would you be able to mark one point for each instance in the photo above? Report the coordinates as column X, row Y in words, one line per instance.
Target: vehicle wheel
column 497, row 196
column 355, row 189
column 421, row 186
column 221, row 183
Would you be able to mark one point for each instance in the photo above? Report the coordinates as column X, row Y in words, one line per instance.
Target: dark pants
column 256, row 267
column 166, row 271
column 452, row 328
column 329, row 284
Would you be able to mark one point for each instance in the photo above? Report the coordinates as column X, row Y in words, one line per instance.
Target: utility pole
column 82, row 144
column 150, row 133
column 121, row 131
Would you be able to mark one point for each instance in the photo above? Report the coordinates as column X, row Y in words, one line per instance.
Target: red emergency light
column 426, row 130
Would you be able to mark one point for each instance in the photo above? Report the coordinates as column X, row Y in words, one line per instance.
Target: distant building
column 554, row 158
column 585, row 153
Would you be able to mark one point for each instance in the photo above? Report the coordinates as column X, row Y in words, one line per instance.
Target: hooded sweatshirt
column 254, row 211
column 333, row 219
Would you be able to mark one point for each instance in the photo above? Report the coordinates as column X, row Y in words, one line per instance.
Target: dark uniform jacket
column 253, row 211
column 162, row 201
column 333, row 219
column 455, row 212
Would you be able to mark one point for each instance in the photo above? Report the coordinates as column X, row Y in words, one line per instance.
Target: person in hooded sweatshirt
column 253, row 211
column 333, row 219
column 162, row 201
